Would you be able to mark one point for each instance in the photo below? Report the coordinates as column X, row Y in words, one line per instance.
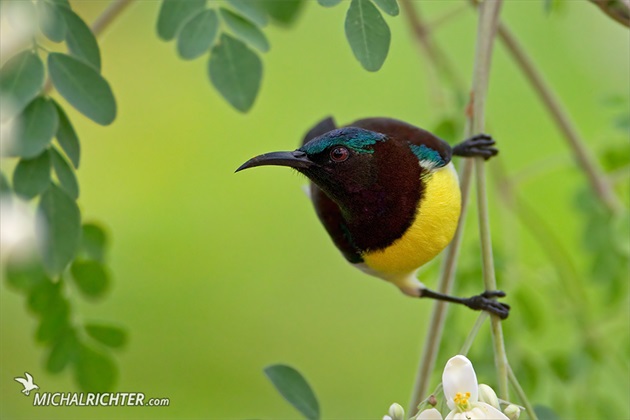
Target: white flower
column 512, row 411
column 396, row 412
column 430, row 414
column 487, row 395
column 462, row 392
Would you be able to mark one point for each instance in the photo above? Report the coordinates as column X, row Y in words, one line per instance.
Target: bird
column 28, row 383
column 388, row 195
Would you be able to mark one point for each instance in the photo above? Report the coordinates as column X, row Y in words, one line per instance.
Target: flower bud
column 396, row 412
column 512, row 411
column 487, row 395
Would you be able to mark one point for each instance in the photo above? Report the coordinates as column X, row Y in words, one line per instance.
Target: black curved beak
column 296, row 159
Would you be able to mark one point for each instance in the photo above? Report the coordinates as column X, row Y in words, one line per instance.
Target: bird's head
column 342, row 162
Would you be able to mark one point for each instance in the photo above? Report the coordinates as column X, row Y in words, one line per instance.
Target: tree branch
column 618, row 10
column 488, row 22
column 583, row 156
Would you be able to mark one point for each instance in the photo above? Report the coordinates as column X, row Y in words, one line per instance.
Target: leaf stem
column 101, row 23
column 445, row 284
column 618, row 10
column 582, row 155
column 488, row 21
column 521, row 394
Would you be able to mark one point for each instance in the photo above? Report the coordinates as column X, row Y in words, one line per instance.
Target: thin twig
column 521, row 394
column 101, row 23
column 618, row 10
column 470, row 339
column 583, row 156
column 109, row 15
column 488, row 21
column 445, row 285
column 438, row 59
column 435, row 23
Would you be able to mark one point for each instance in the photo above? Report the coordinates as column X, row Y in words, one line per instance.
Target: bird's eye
column 339, row 154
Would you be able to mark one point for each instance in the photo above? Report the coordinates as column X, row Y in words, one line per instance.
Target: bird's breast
column 432, row 230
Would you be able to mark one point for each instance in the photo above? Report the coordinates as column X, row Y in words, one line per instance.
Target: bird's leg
column 478, row 145
column 482, row 302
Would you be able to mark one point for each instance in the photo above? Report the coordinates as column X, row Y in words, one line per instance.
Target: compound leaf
column 368, row 34
column 236, row 72
column 198, row 34
column 82, row 86
column 62, row 229
column 21, row 79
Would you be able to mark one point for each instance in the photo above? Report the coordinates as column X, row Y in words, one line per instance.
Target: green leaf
column 39, row 123
column 25, row 275
column 245, row 30
column 283, row 12
column 62, row 229
column 91, row 277
column 21, row 15
column 65, row 174
column 368, row 34
column 32, row 176
column 83, row 87
column 80, row 39
column 21, row 79
column 45, row 297
column 236, row 72
column 174, row 14
column 294, row 388
column 5, row 188
column 93, row 242
column 63, row 351
column 198, row 34
column 63, row 3
column 388, row 6
column 107, row 334
column 67, row 137
column 95, row 371
column 251, row 9
column 51, row 21
column 54, row 322
column 329, row 3
column 545, row 413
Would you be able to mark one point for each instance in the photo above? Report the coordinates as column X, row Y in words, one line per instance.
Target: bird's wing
column 322, row 127
column 425, row 145
column 22, row 381
column 29, row 377
column 326, row 209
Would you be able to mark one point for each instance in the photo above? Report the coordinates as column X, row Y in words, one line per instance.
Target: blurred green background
column 218, row 275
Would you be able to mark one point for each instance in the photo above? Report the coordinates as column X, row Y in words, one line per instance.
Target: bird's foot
column 486, row 302
column 479, row 145
column 482, row 302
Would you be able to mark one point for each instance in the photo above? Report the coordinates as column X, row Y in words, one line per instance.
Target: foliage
column 72, row 263
column 233, row 34
column 45, row 173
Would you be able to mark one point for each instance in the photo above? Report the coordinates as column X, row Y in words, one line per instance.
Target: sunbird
column 388, row 195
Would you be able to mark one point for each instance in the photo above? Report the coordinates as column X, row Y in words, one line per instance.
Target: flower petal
column 459, row 376
column 489, row 412
column 487, row 395
column 430, row 414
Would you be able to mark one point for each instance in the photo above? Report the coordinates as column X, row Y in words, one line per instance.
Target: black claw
column 478, row 145
column 485, row 302
column 480, row 136
column 493, row 294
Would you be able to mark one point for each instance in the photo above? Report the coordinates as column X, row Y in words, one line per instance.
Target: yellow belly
column 433, row 229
